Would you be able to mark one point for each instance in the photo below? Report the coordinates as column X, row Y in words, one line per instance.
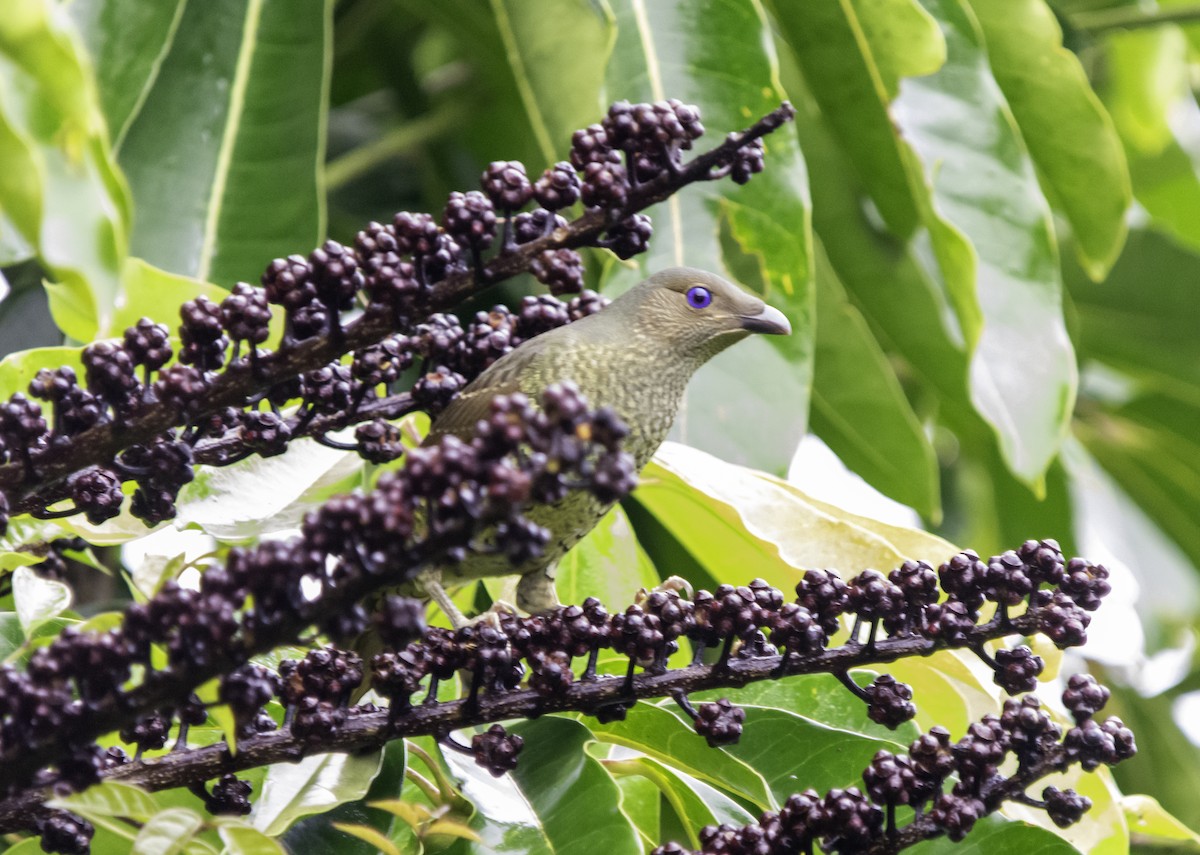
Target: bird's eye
column 699, row 297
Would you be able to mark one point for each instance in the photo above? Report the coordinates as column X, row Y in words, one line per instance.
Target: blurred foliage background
column 985, row 226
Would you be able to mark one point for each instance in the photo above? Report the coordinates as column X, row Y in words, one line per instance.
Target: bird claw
column 672, row 584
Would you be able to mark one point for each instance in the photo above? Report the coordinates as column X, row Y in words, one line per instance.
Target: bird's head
column 698, row 313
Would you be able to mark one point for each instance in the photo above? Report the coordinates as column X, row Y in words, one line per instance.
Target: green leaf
column 168, row 832
column 37, row 600
column 1148, row 93
column 725, row 68
column 559, row 799
column 61, row 189
column 127, row 40
column 859, row 408
column 1150, row 447
column 263, row 494
column 529, row 87
column 726, row 515
column 793, row 753
column 110, row 799
column 607, row 564
column 819, row 698
column 908, row 312
column 695, row 803
column 238, row 103
column 853, row 52
column 557, row 79
column 157, row 294
column 992, row 835
column 1145, row 81
column 1070, row 136
column 314, row 785
column 1023, row 369
column 663, row 735
column 1139, row 319
column 1150, row 822
column 13, row 560
column 641, row 803
column 12, row 636
column 17, row 369
column 369, row 835
column 318, row 834
column 242, row 839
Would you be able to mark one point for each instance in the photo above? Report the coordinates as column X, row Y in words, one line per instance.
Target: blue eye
column 699, row 297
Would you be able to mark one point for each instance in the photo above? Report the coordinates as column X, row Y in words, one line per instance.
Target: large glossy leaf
column 263, row 494
column 127, row 40
column 1150, row 447
column 1149, row 821
column 820, row 698
column 168, row 832
column 224, row 153
column 662, row 734
column 727, row 516
column 242, row 839
column 714, row 54
column 530, row 89
column 37, row 600
column 17, row 369
column 320, row 832
column 694, row 802
column 60, row 189
column 156, row 294
column 854, row 83
column 1023, row 369
column 1147, row 90
column 1070, row 136
column 110, row 805
column 314, row 785
column 558, row 799
column 794, row 753
column 859, row 408
column 1139, row 320
column 997, row 835
column 907, row 310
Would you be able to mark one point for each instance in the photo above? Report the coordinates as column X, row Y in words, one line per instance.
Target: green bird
column 636, row 356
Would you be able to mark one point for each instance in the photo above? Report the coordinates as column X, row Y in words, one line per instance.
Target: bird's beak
column 770, row 321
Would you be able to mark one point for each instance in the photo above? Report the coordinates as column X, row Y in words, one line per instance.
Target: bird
column 636, row 356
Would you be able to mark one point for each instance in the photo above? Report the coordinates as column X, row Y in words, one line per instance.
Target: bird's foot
column 493, row 616
column 671, row 584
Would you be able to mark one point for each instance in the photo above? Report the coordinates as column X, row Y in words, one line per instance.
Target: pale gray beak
column 770, row 321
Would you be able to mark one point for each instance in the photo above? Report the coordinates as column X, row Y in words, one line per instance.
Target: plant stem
column 400, row 140
column 1132, row 17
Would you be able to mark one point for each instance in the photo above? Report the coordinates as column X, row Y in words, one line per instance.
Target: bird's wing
column 516, row 371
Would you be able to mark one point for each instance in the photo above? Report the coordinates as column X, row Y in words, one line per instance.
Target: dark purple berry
column 507, row 185
column 558, row 187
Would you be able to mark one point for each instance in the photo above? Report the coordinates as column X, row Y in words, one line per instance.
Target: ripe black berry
column 470, row 219
column 558, row 187
column 559, row 269
column 496, row 750
column 629, row 237
column 507, row 185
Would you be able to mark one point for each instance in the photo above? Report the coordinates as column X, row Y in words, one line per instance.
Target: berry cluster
column 851, row 820
column 148, row 395
column 75, row 688
column 356, row 543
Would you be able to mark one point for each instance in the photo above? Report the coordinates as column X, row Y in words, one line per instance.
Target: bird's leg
column 430, row 583
column 535, row 592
